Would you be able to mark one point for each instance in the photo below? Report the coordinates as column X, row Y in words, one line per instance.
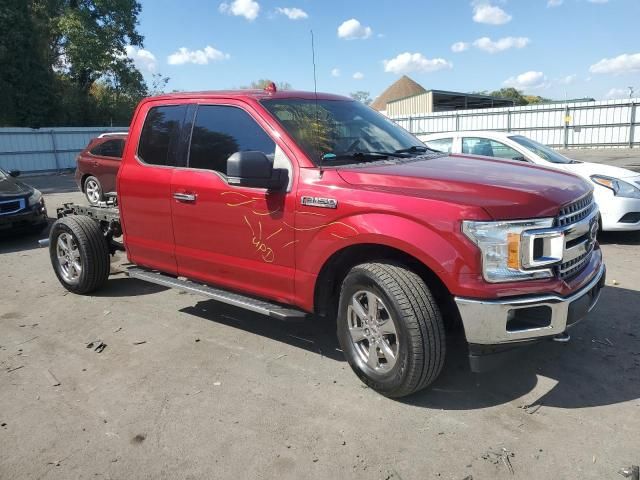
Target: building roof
column 404, row 87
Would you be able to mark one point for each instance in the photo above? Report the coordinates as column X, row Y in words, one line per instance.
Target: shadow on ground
column 619, row 238
column 19, row 241
column 57, row 183
column 600, row 366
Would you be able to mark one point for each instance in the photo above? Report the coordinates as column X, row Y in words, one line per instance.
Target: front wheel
column 390, row 329
column 79, row 254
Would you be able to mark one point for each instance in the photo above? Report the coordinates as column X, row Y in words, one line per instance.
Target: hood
column 10, row 187
column 505, row 190
column 586, row 169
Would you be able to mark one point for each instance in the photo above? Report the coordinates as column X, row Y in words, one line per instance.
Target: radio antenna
column 315, row 95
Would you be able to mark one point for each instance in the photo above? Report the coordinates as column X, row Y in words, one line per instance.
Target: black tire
column 418, row 322
column 99, row 195
column 91, row 247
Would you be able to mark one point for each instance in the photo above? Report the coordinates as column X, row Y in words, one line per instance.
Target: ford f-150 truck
column 297, row 204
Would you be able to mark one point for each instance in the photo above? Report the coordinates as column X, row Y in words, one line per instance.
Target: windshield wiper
column 417, row 149
column 363, row 156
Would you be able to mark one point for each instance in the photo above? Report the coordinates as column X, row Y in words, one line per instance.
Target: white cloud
column 143, row 59
column 624, row 63
column 568, row 80
column 459, row 47
column 488, row 45
column 199, row 57
column 352, row 29
column 554, row 3
column 490, row 14
column 293, row 13
column 248, row 9
column 616, row 93
column 335, row 72
column 530, row 80
column 358, row 76
column 414, row 62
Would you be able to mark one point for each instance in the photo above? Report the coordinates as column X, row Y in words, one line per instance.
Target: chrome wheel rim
column 92, row 189
column 372, row 331
column 68, row 258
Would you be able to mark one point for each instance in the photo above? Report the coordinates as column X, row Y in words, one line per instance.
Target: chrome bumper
column 490, row 322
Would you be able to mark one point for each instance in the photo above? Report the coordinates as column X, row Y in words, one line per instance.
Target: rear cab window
column 160, row 136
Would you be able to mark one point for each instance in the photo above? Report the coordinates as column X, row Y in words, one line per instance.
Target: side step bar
column 263, row 307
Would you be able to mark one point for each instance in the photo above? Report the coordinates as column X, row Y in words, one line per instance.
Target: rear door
column 144, row 185
column 236, row 237
column 106, row 158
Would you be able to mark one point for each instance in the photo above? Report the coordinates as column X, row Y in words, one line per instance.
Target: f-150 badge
column 319, row 202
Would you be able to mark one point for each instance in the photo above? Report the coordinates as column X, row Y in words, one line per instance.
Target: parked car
column 22, row 207
column 291, row 203
column 97, row 165
column 617, row 190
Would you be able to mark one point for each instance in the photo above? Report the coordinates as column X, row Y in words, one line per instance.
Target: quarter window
column 440, row 144
column 219, row 132
column 160, row 134
column 489, row 148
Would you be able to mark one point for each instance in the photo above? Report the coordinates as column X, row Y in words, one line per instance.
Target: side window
column 489, row 148
column 110, row 148
column 219, row 132
column 441, row 144
column 159, row 137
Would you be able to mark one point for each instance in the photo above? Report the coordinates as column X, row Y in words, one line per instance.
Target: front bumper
column 34, row 217
column 618, row 214
column 522, row 319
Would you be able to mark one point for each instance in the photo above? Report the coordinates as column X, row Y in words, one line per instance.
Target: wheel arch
column 338, row 265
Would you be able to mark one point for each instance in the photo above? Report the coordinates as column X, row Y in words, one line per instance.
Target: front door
column 236, row 237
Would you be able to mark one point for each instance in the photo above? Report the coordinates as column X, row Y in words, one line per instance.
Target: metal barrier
column 612, row 123
column 46, row 149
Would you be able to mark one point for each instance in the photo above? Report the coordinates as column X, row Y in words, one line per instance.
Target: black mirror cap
column 14, row 173
column 278, row 181
column 249, row 165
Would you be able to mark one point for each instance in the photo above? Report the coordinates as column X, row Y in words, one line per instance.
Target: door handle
column 185, row 197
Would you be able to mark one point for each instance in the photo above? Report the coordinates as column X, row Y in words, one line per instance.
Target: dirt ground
column 187, row 388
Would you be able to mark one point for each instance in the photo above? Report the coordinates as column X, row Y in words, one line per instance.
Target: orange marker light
column 513, row 248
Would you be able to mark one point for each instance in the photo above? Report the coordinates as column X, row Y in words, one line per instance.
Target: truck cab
column 295, row 204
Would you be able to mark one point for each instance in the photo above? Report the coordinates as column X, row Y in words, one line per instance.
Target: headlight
column 35, row 197
column 509, row 250
column 620, row 188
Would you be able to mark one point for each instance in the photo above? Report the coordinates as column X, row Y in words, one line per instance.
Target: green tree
column 362, row 96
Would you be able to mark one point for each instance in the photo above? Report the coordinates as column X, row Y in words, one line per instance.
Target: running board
column 236, row 299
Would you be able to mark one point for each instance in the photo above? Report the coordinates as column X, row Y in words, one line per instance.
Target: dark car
column 97, row 165
column 21, row 206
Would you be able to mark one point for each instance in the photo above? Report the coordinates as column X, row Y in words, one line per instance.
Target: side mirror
column 254, row 169
column 14, row 173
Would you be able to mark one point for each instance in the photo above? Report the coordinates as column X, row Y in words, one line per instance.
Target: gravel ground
column 216, row 392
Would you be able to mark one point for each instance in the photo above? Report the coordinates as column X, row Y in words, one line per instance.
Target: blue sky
column 551, row 48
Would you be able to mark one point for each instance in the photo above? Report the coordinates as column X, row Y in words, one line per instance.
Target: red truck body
column 270, row 245
column 290, row 203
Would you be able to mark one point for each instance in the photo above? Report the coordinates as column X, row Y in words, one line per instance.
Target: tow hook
column 563, row 337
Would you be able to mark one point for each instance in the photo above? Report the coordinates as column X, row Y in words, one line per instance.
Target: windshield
column 332, row 131
column 541, row 150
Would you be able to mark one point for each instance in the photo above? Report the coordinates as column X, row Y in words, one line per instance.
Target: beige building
column 406, row 97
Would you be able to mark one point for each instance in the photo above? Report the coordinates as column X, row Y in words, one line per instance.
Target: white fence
column 612, row 123
column 45, row 149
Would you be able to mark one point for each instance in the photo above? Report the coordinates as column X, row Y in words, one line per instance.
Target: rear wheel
column 79, row 254
column 390, row 329
column 93, row 190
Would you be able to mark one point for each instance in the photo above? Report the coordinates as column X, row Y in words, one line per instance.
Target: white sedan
column 616, row 190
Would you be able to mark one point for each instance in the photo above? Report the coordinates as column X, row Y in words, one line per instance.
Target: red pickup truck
column 292, row 203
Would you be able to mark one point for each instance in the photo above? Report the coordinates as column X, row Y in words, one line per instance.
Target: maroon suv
column 97, row 165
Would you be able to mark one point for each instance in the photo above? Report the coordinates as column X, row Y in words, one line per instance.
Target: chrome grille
column 579, row 235
column 576, row 211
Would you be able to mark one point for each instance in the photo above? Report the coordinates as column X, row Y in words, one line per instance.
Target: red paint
column 270, row 245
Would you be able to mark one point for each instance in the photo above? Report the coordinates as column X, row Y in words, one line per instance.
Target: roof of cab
column 255, row 95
